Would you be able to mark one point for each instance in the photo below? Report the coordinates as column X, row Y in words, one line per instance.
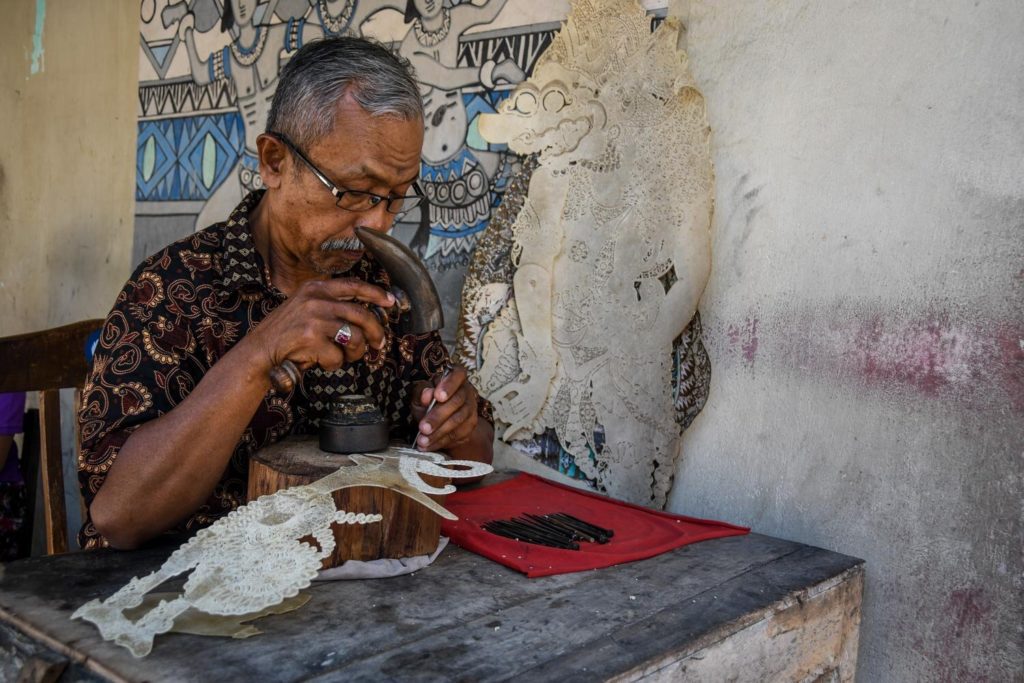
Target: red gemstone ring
column 344, row 335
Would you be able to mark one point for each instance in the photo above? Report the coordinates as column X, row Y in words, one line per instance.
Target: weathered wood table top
column 463, row 618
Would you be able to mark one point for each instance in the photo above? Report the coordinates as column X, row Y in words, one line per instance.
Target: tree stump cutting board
column 408, row 529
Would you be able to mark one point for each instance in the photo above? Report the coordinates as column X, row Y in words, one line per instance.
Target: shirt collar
column 241, row 264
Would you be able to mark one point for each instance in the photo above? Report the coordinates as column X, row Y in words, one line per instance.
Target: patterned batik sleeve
column 144, row 365
column 424, row 358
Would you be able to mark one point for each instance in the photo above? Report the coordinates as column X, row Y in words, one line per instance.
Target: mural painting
column 208, row 70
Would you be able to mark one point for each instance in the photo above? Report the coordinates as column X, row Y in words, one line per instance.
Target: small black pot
column 353, row 425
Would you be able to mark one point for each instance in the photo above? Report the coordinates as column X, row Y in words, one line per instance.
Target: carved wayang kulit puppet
column 256, row 560
column 610, row 251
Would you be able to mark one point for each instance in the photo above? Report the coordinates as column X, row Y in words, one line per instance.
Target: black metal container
column 353, row 425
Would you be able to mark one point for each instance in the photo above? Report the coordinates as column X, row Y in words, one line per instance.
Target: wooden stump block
column 408, row 529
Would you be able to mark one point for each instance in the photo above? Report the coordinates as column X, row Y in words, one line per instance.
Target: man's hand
column 453, row 419
column 303, row 328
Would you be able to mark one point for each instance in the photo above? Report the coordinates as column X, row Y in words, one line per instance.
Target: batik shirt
column 182, row 310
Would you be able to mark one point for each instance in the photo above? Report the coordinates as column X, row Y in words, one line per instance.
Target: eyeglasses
column 356, row 200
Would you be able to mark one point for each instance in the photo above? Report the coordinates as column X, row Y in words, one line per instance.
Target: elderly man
column 179, row 395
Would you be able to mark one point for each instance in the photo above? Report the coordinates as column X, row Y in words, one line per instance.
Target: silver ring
column 344, row 335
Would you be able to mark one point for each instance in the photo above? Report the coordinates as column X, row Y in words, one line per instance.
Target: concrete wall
column 68, row 83
column 68, row 88
column 864, row 315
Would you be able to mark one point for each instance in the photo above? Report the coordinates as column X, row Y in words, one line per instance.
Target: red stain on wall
column 970, row 360
column 743, row 338
column 750, row 343
column 939, row 355
column 1011, row 363
column 926, row 354
column 966, row 630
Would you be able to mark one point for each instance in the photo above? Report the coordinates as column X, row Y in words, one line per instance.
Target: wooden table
column 744, row 608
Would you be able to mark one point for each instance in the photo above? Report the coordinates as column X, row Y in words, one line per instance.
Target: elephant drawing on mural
column 252, row 62
column 611, row 248
column 456, row 180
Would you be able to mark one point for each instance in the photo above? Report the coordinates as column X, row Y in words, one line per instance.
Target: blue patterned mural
column 186, row 158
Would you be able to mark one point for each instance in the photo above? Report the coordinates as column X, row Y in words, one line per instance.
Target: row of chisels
column 555, row 530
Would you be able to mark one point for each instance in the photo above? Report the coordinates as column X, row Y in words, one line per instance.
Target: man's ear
column 272, row 154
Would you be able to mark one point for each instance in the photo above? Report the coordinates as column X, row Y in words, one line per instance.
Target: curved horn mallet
column 410, row 280
column 417, row 304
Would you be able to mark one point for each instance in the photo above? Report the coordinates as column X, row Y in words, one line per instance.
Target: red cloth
column 639, row 532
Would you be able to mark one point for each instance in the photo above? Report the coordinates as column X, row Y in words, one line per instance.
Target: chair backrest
column 48, row 361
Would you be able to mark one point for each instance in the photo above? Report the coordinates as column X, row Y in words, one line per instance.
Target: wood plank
column 30, row 470
column 461, row 618
column 737, row 602
column 82, row 510
column 21, row 648
column 51, row 468
column 50, row 359
column 611, row 627
column 809, row 636
column 40, row 670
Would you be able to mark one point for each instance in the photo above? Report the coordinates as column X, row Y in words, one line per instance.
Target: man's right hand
column 303, row 328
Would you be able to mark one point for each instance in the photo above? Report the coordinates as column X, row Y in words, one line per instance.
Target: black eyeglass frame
column 405, row 202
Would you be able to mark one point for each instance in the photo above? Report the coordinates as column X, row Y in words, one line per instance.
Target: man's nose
column 377, row 218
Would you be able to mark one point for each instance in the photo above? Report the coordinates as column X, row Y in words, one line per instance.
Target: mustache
column 346, row 244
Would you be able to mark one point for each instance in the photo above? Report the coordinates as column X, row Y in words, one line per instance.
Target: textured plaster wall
column 68, row 87
column 864, row 314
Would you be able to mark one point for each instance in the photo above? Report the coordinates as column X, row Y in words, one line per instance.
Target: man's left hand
column 453, row 418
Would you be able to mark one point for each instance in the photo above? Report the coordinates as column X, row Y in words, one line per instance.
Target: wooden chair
column 46, row 362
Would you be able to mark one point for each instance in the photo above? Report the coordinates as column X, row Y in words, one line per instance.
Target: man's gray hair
column 324, row 71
